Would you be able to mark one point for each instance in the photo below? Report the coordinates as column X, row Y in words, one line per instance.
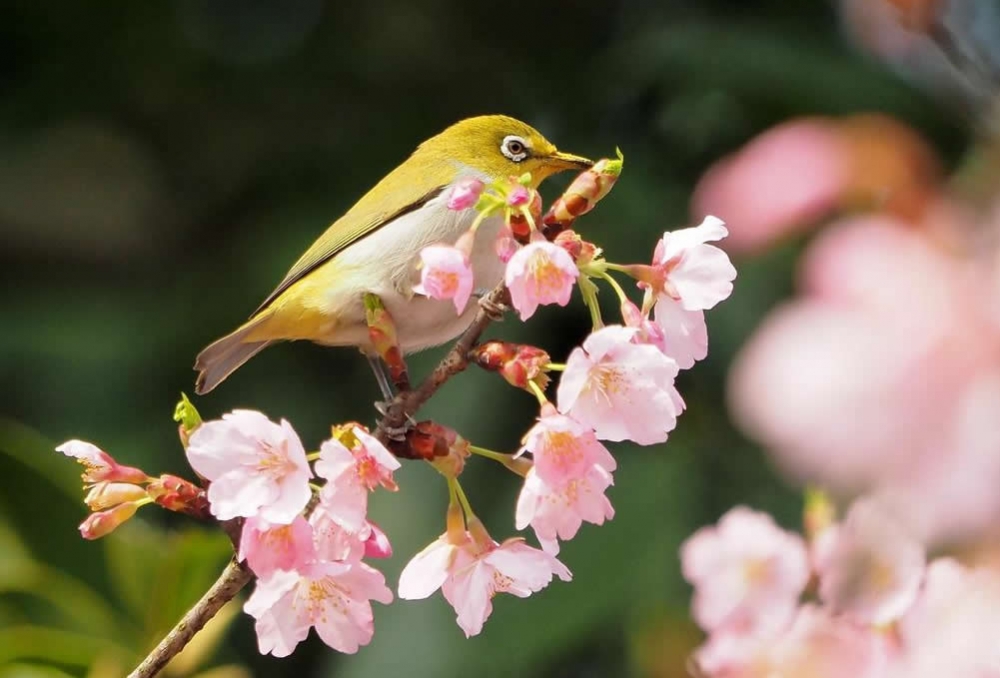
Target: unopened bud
column 105, row 495
column 582, row 251
column 589, row 187
column 377, row 545
column 518, row 364
column 177, row 494
column 100, row 524
column 465, row 194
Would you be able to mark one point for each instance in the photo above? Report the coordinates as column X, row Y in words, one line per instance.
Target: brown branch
column 403, row 406
column 230, row 582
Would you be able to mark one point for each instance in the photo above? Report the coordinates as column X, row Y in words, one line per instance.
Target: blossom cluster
column 305, row 531
column 854, row 598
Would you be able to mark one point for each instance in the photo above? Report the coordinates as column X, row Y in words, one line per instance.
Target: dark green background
column 162, row 164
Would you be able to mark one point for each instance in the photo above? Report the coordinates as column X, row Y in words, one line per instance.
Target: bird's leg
column 494, row 310
column 382, row 377
column 387, row 362
column 382, row 333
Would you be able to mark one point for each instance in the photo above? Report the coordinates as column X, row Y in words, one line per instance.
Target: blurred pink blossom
column 625, row 391
column 256, row 467
column 784, row 179
column 874, row 567
column 952, row 628
column 882, row 377
column 746, row 571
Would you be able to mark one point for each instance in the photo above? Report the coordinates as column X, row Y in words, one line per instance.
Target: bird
column 374, row 249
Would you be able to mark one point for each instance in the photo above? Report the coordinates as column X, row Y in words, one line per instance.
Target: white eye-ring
column 514, row 147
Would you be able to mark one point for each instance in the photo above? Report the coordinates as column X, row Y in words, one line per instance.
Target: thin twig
column 230, row 582
column 237, row 575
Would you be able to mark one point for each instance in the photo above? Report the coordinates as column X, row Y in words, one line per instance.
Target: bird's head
column 498, row 146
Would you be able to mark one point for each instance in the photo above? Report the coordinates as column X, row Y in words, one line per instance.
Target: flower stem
column 462, row 499
column 555, row 367
column 622, row 297
column 537, row 390
column 588, row 290
column 312, row 456
column 489, row 454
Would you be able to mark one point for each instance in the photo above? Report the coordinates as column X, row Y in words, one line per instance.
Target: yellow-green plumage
column 374, row 248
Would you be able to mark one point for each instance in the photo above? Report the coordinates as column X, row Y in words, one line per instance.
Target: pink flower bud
column 105, row 495
column 518, row 196
column 377, row 545
column 100, row 524
column 465, row 194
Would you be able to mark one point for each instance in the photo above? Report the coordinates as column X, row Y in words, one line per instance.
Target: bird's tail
column 223, row 356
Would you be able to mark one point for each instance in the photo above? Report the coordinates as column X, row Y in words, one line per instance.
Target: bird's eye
column 515, row 148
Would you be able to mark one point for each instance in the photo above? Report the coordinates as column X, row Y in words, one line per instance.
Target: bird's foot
column 396, row 433
column 494, row 310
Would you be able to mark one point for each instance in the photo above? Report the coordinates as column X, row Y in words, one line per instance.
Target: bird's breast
column 385, row 263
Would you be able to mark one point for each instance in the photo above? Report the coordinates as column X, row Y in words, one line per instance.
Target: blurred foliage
column 162, row 164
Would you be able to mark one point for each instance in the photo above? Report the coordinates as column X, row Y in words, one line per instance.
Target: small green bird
column 375, row 246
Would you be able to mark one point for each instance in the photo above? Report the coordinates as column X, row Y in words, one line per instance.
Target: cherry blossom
column 688, row 270
column 351, row 474
column 445, row 273
column 563, row 448
column 267, row 548
column 540, row 273
column 557, row 510
column 102, row 523
column 333, row 597
column 256, row 467
column 470, row 572
column 874, row 567
column 624, row 390
column 99, row 466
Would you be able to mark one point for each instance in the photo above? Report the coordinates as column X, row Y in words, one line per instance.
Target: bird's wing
column 367, row 215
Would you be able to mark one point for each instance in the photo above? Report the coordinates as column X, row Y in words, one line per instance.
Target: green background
column 162, row 164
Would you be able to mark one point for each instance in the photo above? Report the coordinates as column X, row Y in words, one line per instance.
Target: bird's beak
column 568, row 161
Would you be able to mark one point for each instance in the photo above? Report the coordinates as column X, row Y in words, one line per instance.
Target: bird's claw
column 494, row 310
column 396, row 433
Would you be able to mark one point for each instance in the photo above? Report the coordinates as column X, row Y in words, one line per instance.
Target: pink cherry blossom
column 874, row 568
column 540, row 273
column 469, row 574
column 505, row 245
column 267, row 548
column 688, row 270
column 465, row 193
column 746, row 571
column 377, row 543
column 333, row 542
column 257, row 467
column 563, row 448
column 445, row 273
column 951, row 629
column 647, row 331
column 351, row 474
column 334, row 597
column 625, row 391
column 685, row 335
column 99, row 466
column 556, row 510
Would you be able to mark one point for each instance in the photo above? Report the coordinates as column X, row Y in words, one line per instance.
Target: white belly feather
column 385, row 263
